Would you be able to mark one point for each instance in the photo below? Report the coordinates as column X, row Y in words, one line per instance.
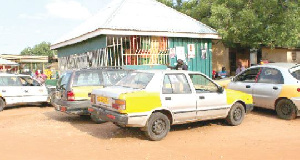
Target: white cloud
column 67, row 9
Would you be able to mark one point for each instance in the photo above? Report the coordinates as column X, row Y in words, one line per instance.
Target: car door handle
column 248, row 86
column 275, row 87
column 201, row 97
column 26, row 91
column 3, row 90
column 168, row 98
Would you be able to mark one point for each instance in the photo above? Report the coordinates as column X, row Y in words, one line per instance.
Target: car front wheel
column 157, row 127
column 286, row 109
column 236, row 114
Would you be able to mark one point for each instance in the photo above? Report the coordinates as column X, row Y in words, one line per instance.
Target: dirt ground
column 35, row 133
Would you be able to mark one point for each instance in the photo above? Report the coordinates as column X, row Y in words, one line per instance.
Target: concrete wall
column 82, row 47
column 280, row 55
column 275, row 55
column 220, row 56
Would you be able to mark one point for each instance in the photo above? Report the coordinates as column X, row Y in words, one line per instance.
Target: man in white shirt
column 240, row 68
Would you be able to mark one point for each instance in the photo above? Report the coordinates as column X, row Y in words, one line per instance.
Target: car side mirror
column 220, row 89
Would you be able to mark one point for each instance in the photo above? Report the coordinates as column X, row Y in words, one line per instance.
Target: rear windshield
column 97, row 77
column 63, row 81
column 295, row 71
column 136, row 80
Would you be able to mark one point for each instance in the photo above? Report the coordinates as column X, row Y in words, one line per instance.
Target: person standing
column 240, row 68
column 223, row 73
column 180, row 65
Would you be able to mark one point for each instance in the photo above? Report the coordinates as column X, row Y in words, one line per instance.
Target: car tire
column 2, row 104
column 236, row 114
column 157, row 126
column 52, row 99
column 286, row 109
column 96, row 119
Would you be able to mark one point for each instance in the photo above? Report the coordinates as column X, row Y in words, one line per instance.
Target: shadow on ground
column 108, row 130
column 264, row 112
column 26, row 106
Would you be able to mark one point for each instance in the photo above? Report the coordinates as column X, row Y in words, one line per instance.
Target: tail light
column 70, row 96
column 119, row 104
column 93, row 99
column 298, row 89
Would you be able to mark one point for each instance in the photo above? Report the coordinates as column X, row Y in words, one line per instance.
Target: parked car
column 74, row 86
column 20, row 89
column 154, row 100
column 273, row 86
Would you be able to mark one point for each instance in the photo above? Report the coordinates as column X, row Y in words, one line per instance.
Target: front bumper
column 249, row 108
column 108, row 115
column 73, row 107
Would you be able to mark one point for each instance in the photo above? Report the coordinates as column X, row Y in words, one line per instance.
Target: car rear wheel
column 52, row 99
column 286, row 109
column 236, row 114
column 2, row 104
column 96, row 119
column 157, row 127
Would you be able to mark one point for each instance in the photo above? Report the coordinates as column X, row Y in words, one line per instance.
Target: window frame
column 185, row 77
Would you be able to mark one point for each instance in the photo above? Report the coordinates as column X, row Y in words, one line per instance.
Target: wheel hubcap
column 286, row 109
column 237, row 114
column 159, row 126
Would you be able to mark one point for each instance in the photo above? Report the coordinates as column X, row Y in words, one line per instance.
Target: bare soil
column 35, row 133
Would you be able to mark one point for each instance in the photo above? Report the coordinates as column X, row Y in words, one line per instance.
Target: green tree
column 249, row 23
column 42, row 49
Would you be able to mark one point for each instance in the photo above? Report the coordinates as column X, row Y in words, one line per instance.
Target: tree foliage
column 249, row 23
column 42, row 49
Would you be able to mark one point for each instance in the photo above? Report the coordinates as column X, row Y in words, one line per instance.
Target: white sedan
column 20, row 89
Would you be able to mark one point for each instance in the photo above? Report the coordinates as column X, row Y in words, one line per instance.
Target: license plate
column 102, row 99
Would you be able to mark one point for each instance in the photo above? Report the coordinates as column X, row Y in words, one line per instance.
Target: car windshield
column 295, row 72
column 137, row 80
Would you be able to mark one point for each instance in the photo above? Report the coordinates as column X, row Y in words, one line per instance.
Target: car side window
column 27, row 81
column 203, row 84
column 176, row 84
column 10, row 81
column 271, row 76
column 248, row 76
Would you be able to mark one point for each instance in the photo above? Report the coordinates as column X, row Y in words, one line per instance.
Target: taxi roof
column 168, row 71
column 281, row 65
column 11, row 74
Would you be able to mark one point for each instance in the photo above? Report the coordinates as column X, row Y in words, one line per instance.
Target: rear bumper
column 73, row 107
column 249, row 108
column 108, row 115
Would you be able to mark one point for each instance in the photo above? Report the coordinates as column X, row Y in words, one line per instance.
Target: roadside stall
column 8, row 66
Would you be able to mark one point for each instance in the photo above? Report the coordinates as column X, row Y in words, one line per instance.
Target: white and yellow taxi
column 273, row 86
column 154, row 100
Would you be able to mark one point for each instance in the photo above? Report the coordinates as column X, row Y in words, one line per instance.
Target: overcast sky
column 24, row 23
